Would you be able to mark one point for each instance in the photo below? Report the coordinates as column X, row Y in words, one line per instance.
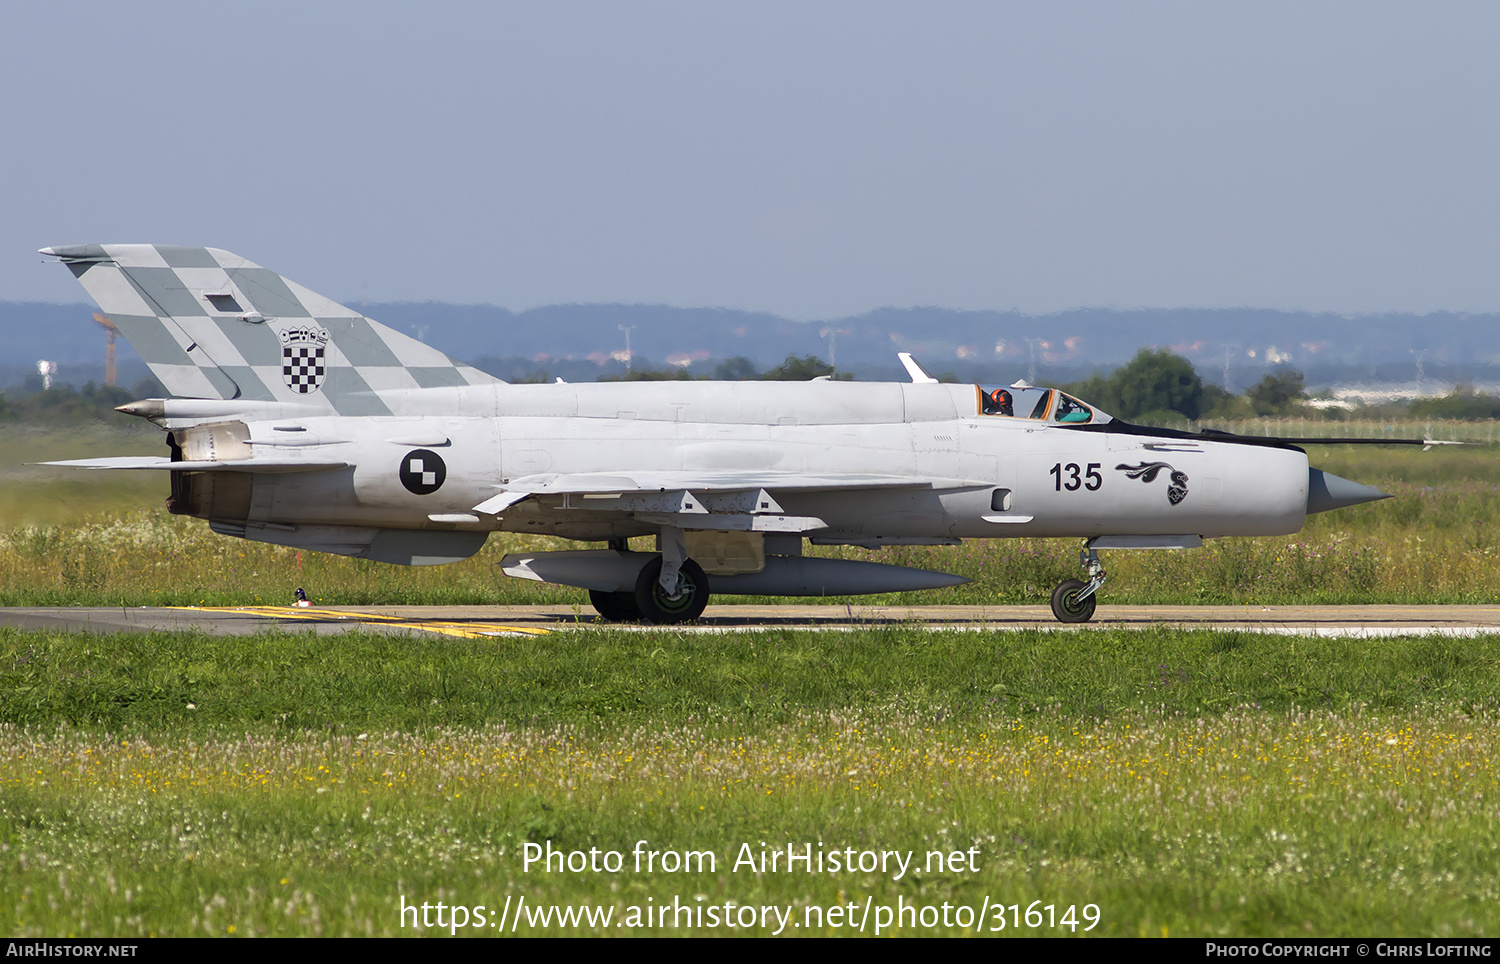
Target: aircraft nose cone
column 1325, row 492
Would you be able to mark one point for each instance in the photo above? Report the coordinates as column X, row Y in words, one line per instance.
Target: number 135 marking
column 1076, row 477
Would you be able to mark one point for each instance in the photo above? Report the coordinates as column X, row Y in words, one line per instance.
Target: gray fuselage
column 981, row 476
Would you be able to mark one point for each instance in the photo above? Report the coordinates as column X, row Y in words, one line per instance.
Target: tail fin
column 212, row 325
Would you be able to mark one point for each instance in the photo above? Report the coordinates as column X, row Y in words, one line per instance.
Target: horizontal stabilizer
column 162, row 462
column 402, row 547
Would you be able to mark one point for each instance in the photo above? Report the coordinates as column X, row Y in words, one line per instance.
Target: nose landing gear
column 1073, row 601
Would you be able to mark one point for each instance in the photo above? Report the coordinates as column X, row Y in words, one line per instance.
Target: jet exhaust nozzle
column 1326, row 492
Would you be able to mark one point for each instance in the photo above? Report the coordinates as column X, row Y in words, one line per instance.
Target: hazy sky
column 810, row 159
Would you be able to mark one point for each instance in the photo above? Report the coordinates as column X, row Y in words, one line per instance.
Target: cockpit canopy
column 1043, row 404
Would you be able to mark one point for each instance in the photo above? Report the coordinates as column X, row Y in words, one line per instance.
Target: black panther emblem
column 1147, row 471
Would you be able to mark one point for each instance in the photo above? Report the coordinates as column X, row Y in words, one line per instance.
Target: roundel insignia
column 422, row 471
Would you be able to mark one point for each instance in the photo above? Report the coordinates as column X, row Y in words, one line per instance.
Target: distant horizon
column 1229, row 346
column 1347, row 315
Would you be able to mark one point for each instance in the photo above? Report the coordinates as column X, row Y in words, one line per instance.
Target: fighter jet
column 297, row 421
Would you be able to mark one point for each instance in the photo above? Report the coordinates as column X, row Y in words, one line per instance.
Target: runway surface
column 495, row 621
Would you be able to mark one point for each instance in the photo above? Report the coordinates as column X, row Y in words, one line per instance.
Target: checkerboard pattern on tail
column 211, row 324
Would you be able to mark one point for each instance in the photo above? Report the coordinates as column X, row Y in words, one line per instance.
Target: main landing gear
column 650, row 602
column 1073, row 600
column 671, row 588
column 656, row 605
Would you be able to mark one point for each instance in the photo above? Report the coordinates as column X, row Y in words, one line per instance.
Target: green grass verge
column 299, row 681
column 1179, row 782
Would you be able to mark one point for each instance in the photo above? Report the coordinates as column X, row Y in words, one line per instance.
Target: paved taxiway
column 490, row 621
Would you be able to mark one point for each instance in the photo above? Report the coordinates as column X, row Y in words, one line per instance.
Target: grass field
column 1155, row 782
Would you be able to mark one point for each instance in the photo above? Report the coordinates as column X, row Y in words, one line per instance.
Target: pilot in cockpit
column 998, row 402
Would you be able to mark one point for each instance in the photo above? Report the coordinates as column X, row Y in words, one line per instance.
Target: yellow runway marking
column 462, row 630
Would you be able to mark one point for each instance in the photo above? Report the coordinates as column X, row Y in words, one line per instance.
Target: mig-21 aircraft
column 298, row 421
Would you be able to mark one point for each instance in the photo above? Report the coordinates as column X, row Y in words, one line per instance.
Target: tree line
column 1159, row 385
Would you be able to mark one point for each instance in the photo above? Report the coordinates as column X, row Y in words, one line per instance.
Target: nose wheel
column 1068, row 603
column 1073, row 601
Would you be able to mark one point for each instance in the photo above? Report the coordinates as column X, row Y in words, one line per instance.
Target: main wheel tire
column 616, row 607
column 1066, row 605
column 652, row 600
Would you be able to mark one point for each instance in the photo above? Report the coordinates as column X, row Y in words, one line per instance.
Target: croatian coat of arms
column 302, row 363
